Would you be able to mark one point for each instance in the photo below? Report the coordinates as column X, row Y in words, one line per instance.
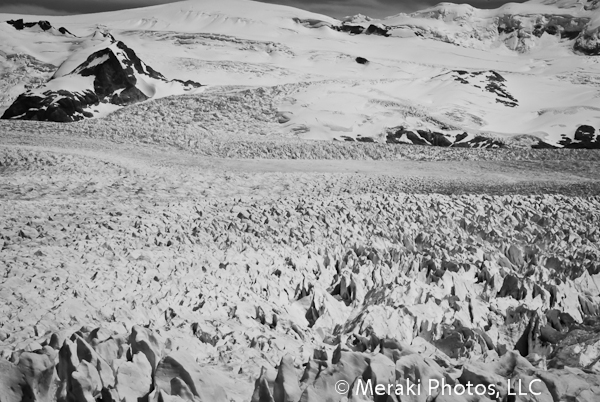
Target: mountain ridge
column 118, row 78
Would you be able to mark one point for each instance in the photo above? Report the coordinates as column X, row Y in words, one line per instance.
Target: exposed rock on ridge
column 44, row 25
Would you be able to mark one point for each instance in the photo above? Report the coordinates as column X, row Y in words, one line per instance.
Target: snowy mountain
column 109, row 78
column 519, row 27
column 519, row 75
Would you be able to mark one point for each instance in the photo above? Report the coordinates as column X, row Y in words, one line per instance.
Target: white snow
column 102, row 109
column 72, row 83
column 328, row 94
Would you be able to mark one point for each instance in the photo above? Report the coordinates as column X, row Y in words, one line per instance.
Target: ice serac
column 470, row 288
column 76, row 372
column 109, row 78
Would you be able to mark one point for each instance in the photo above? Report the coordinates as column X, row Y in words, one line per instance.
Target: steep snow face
column 81, row 50
column 109, row 78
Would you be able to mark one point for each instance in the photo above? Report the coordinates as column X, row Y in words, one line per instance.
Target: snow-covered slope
column 215, row 16
column 431, row 71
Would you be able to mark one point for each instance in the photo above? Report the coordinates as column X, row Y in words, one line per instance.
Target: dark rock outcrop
column 60, row 106
column 585, row 133
column 377, row 30
column 432, row 138
column 351, row 29
column 358, row 29
column 493, row 82
column 585, row 137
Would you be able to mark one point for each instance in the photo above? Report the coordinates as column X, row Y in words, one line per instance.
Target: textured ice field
column 132, row 270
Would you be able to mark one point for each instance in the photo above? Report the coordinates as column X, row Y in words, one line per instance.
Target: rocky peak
column 115, row 70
